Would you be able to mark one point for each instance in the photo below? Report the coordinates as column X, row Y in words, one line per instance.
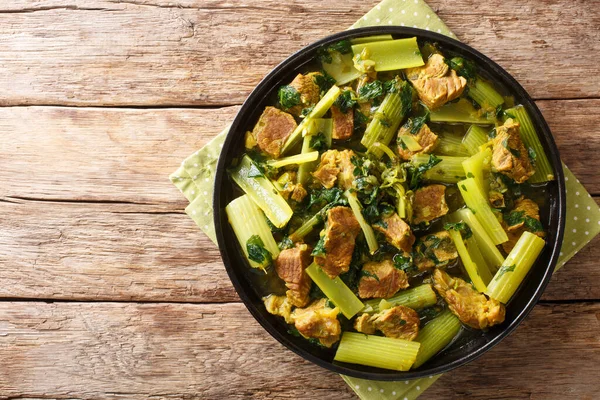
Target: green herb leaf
column 416, row 172
column 324, row 81
column 343, row 47
column 371, row 90
column 288, row 97
column 463, row 67
column 460, row 227
column 318, row 142
column 514, row 217
column 319, row 249
column 505, row 268
column 257, row 251
column 404, row 263
column 345, row 101
column 533, row 224
column 368, row 274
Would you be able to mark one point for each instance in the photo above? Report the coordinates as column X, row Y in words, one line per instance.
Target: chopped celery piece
column 451, row 145
column 387, row 118
column 449, row 170
column 403, row 206
column 472, row 269
column 307, row 226
column 436, row 335
column 297, row 159
column 368, row 39
column 411, row 143
column 488, row 249
column 366, row 228
column 416, row 298
column 318, row 125
column 336, row 291
column 247, row 220
column 342, row 68
column 515, row 267
column 390, row 55
column 478, row 167
column 261, row 190
column 481, row 208
column 377, row 351
column 543, row 169
column 475, row 137
column 485, row 95
column 317, row 112
column 460, row 112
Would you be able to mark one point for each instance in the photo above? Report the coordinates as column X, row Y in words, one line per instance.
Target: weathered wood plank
column 97, row 154
column 107, row 252
column 107, row 350
column 213, row 53
column 123, row 252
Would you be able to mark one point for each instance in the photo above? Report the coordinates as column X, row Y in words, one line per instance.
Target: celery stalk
column 516, row 266
column 416, row 298
column 472, row 269
column 477, row 166
column 488, row 249
column 387, row 118
column 369, row 39
column 436, row 335
column 377, row 351
column 451, row 145
column 261, row 190
column 317, row 112
column 342, row 68
column 485, row 95
column 247, row 220
column 449, row 170
column 411, row 143
column 543, row 169
column 390, row 55
column 301, row 158
column 366, row 228
column 475, row 137
column 336, row 291
column 481, row 208
column 460, row 112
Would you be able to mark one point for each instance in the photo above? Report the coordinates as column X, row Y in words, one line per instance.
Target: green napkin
column 195, row 178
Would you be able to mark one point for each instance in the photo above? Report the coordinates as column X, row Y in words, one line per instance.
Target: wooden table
column 110, row 291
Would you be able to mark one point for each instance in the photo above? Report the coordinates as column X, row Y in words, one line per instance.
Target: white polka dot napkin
column 195, row 178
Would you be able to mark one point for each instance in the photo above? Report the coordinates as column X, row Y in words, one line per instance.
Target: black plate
column 461, row 351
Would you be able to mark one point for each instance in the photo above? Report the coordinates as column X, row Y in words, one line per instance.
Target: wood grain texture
column 110, row 350
column 97, row 154
column 198, row 52
column 124, row 252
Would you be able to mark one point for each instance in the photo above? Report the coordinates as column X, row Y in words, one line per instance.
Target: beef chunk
column 381, row 279
column 434, row 250
column 396, row 231
column 425, row 137
column 292, row 190
column 279, row 305
column 510, row 157
column 272, row 130
column 435, row 83
column 340, row 234
column 309, row 92
column 364, row 324
column 525, row 216
column 290, row 266
column 335, row 166
column 429, row 203
column 343, row 124
column 471, row 307
column 398, row 322
column 318, row 321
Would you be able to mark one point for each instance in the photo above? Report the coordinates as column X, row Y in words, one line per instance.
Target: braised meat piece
column 424, row 136
column 343, row 123
column 335, row 166
column 309, row 92
column 318, row 321
column 340, row 234
column 290, row 266
column 364, row 324
column 429, row 203
column 470, row 306
column 435, row 83
column 525, row 216
column 396, row 231
column 398, row 322
column 280, row 306
column 434, row 250
column 381, row 279
column 510, row 157
column 272, row 130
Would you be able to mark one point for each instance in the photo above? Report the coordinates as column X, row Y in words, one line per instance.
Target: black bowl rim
column 539, row 122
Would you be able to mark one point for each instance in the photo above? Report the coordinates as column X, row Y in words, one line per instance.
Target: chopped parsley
column 345, row 101
column 368, row 274
column 461, row 227
column 257, row 251
column 319, row 249
column 343, row 47
column 505, row 268
column 288, row 97
column 416, row 172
